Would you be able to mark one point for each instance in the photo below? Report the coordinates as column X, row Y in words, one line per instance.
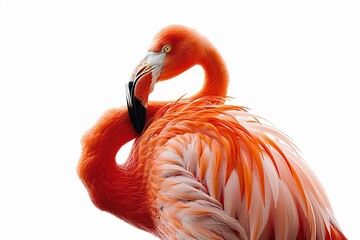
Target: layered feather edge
column 221, row 172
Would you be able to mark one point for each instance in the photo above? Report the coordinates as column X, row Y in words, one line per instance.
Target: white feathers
column 187, row 211
column 232, row 188
column 287, row 222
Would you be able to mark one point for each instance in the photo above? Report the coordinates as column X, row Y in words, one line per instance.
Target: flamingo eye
column 166, row 48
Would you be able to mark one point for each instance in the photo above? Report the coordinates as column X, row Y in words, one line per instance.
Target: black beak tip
column 136, row 109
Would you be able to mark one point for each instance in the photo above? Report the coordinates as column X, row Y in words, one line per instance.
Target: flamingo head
column 174, row 50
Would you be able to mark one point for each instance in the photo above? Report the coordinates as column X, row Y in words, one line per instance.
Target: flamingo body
column 200, row 169
column 220, row 172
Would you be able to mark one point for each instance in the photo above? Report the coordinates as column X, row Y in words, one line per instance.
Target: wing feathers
column 221, row 172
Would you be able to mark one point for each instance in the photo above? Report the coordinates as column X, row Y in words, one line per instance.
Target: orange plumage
column 201, row 169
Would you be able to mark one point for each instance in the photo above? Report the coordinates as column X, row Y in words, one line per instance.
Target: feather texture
column 220, row 172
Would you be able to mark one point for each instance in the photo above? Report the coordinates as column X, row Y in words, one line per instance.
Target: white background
column 63, row 63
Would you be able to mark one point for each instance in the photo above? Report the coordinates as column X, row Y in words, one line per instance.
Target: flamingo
column 200, row 169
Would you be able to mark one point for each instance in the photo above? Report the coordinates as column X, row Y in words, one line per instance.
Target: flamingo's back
column 219, row 172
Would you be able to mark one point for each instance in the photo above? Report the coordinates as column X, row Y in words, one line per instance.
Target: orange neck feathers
column 216, row 74
column 117, row 189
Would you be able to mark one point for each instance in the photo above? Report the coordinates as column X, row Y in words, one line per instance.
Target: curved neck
column 120, row 189
column 216, row 74
column 117, row 189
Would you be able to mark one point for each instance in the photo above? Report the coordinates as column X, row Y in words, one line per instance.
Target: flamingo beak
column 140, row 86
column 136, row 105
